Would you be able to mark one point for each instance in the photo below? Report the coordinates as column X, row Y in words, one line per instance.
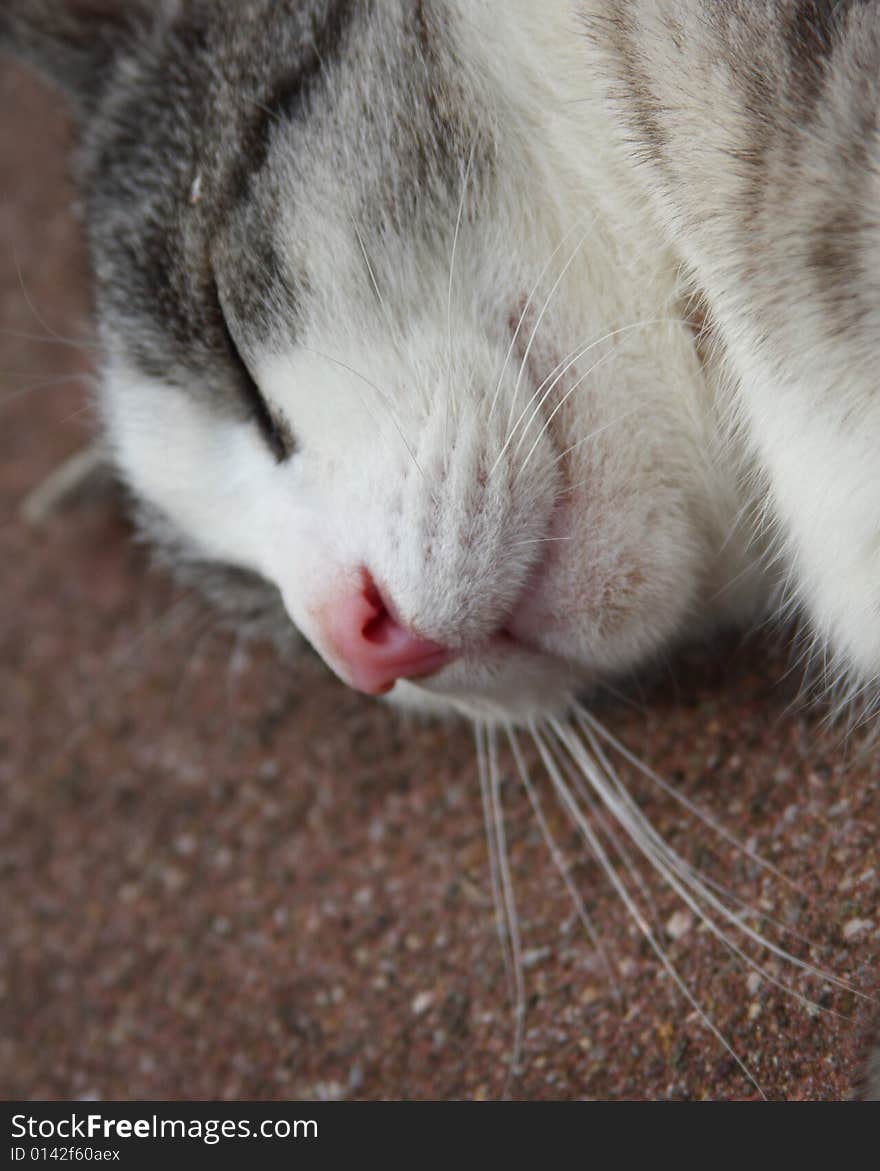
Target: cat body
column 497, row 348
column 517, row 443
column 397, row 304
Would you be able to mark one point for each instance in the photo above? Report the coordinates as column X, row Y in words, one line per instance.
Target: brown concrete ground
column 224, row 876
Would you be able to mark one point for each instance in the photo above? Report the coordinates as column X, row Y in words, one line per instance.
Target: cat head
column 383, row 332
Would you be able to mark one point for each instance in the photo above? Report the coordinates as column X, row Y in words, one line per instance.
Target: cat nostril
column 372, row 648
column 379, row 629
column 375, row 629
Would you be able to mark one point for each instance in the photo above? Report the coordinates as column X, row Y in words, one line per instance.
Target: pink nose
column 371, row 647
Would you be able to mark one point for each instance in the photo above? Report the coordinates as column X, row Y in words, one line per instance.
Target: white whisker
column 522, row 315
column 589, row 721
column 46, row 384
column 558, row 372
column 52, row 335
column 594, row 434
column 540, row 318
column 370, row 271
column 511, row 912
column 383, row 397
column 62, row 483
column 53, row 340
column 480, row 736
column 538, row 541
column 452, row 257
column 595, row 810
column 568, row 802
column 546, row 425
column 560, row 861
column 679, row 874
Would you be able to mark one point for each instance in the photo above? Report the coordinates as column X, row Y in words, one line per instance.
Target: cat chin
column 509, row 685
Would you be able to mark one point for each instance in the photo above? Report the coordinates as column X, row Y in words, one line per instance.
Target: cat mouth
column 514, row 659
column 504, row 679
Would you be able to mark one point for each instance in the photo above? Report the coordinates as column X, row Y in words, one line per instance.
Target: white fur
column 622, row 546
column 801, row 350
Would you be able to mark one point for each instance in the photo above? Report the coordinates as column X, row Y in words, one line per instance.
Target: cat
column 495, row 348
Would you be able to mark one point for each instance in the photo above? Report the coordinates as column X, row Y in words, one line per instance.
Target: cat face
column 375, row 337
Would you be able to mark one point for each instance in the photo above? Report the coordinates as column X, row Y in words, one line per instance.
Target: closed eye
column 274, row 428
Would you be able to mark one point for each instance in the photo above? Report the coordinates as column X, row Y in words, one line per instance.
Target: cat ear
column 74, row 43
